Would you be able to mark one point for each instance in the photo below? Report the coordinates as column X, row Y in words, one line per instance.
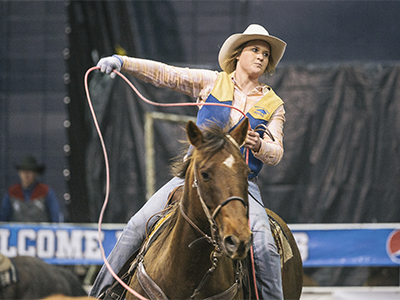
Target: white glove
column 108, row 64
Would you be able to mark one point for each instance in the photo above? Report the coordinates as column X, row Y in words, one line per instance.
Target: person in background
column 243, row 58
column 29, row 200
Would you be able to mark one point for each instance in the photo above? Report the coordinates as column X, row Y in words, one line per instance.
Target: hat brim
column 277, row 48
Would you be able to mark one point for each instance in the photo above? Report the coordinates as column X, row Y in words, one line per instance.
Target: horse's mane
column 215, row 138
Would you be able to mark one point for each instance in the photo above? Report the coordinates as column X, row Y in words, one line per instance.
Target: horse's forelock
column 215, row 139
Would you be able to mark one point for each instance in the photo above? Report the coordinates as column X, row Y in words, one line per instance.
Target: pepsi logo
column 393, row 246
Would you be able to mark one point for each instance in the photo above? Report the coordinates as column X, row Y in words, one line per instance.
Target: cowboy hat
column 253, row 32
column 29, row 163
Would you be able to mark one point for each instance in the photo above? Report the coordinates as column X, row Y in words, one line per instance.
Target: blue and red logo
column 393, row 246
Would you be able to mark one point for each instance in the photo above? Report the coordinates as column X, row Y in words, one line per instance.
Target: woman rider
column 243, row 58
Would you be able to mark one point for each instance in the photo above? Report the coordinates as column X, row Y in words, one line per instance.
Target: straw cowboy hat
column 29, row 163
column 253, row 32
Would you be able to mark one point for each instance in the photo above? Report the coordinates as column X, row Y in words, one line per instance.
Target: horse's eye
column 205, row 176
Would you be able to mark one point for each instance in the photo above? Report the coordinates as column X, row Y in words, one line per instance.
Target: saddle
column 281, row 241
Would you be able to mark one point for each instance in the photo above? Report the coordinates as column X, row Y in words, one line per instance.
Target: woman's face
column 254, row 58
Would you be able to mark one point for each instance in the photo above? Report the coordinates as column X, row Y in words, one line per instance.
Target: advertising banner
column 63, row 244
column 348, row 245
column 319, row 244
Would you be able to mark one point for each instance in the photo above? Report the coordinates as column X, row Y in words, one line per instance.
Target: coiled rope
column 103, row 146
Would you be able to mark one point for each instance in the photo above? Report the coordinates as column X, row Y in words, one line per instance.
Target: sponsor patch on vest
column 260, row 111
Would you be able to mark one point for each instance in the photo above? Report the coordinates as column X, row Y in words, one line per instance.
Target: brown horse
column 198, row 253
column 199, row 249
column 32, row 278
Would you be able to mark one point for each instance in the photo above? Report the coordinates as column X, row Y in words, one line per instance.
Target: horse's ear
column 239, row 134
column 194, row 134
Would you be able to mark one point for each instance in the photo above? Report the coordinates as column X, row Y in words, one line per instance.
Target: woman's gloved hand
column 110, row 63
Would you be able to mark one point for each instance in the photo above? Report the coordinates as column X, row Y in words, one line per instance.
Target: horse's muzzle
column 235, row 248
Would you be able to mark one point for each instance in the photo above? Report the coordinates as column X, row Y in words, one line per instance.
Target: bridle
column 215, row 237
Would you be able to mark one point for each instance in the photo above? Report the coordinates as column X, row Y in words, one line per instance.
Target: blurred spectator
column 30, row 200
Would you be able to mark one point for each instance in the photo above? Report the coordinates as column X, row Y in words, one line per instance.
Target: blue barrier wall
column 320, row 245
column 348, row 245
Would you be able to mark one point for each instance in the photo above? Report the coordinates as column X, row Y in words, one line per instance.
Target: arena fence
column 320, row 245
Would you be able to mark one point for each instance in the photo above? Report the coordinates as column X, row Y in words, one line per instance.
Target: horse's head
column 217, row 175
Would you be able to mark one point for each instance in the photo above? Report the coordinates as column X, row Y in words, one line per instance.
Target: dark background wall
column 32, row 89
column 46, row 46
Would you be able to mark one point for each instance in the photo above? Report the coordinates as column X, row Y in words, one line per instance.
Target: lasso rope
column 103, row 146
